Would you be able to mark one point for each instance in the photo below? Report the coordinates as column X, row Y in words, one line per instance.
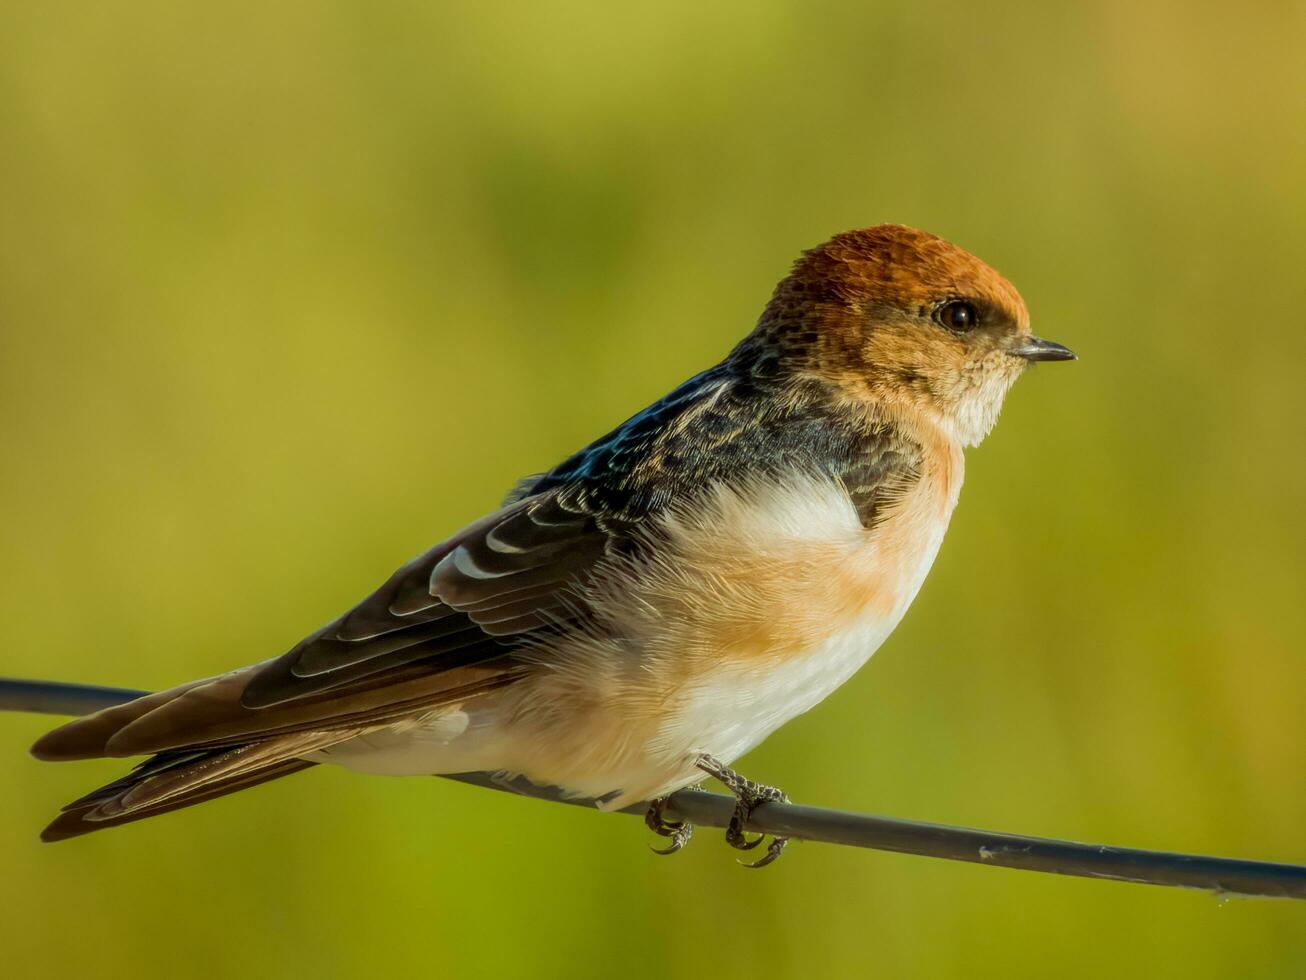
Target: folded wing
column 442, row 629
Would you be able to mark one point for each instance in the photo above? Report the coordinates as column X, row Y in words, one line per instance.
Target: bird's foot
column 748, row 797
column 678, row 830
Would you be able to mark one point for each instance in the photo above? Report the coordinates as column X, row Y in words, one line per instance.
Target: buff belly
column 760, row 604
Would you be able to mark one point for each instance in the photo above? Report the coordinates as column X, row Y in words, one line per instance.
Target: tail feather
column 183, row 777
column 206, row 744
column 83, row 817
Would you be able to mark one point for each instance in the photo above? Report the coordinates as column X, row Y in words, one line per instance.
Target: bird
column 640, row 616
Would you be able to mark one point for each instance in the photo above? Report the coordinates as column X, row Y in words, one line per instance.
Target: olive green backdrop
column 290, row 291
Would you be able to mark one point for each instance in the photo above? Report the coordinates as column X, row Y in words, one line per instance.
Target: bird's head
column 901, row 320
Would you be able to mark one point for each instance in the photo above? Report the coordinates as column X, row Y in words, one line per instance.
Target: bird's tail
column 169, row 781
column 175, row 777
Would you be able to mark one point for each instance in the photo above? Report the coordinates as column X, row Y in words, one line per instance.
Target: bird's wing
column 440, row 630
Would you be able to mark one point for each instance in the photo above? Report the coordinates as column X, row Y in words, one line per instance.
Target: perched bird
column 654, row 606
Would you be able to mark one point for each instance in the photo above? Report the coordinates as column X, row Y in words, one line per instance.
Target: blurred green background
column 290, row 291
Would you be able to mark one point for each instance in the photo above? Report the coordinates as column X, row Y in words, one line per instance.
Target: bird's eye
column 958, row 315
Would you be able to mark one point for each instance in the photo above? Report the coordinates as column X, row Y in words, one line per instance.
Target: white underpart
column 683, row 665
column 733, row 710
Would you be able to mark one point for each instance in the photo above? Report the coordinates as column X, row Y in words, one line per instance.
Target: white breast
column 842, row 589
column 733, row 710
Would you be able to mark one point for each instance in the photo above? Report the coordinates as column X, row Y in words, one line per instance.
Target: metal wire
column 1222, row 875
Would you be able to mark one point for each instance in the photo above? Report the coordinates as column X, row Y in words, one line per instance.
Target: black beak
column 1037, row 349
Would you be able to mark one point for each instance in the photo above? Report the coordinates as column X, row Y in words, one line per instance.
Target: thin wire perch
column 1221, row 875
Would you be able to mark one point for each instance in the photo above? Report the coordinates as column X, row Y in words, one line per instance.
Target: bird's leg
column 748, row 796
column 678, row 830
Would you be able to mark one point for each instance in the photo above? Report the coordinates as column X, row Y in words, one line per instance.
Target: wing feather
column 375, row 664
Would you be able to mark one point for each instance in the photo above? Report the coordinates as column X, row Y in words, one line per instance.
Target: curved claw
column 680, row 831
column 773, row 851
column 741, row 842
column 679, row 838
